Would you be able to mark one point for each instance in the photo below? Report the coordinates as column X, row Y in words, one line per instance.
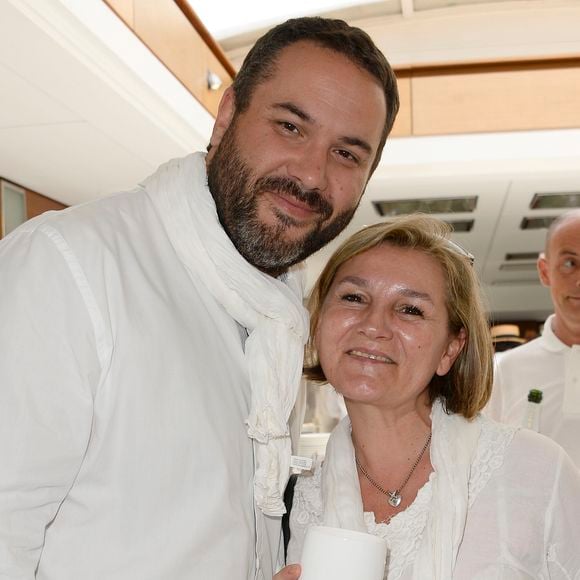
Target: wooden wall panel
column 167, row 32
column 211, row 98
column 403, row 126
column 436, row 99
column 496, row 100
column 37, row 204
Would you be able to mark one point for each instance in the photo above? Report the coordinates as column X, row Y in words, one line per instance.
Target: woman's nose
column 376, row 324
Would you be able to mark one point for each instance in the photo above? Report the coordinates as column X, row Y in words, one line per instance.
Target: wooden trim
column 123, row 9
column 481, row 67
column 36, row 204
column 206, row 36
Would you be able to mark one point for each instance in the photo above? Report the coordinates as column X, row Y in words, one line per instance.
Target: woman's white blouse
column 523, row 520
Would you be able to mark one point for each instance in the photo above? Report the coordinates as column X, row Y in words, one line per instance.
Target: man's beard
column 236, row 194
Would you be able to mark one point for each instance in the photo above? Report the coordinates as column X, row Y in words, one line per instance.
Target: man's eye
column 290, row 127
column 569, row 263
column 347, row 155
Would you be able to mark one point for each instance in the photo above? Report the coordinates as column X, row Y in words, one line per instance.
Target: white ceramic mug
column 337, row 554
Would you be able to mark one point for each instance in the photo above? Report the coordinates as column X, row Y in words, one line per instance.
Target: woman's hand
column 291, row 572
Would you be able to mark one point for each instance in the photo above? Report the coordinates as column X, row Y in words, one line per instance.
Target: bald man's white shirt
column 547, row 364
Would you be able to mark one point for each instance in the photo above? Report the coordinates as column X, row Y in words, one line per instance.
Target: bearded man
column 152, row 342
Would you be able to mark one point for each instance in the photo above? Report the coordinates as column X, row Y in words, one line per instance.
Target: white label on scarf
column 303, row 463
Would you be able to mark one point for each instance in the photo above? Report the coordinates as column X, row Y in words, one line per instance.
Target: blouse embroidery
column 405, row 530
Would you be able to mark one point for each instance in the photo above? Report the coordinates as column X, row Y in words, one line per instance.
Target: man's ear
column 543, row 269
column 226, row 111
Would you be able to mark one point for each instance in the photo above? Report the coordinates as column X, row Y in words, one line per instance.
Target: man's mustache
column 311, row 197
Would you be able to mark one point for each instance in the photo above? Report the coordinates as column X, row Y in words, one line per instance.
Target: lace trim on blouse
column 494, row 441
column 405, row 530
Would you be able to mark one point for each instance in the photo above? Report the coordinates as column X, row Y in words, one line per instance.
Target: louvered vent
column 395, row 207
column 536, row 223
column 555, row 200
column 521, row 256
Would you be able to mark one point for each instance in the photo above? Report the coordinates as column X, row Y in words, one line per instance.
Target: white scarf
column 270, row 309
column 453, row 447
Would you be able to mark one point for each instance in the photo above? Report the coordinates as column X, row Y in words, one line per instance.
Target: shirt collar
column 551, row 341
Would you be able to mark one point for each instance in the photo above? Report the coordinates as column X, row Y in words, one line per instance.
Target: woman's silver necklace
column 394, row 496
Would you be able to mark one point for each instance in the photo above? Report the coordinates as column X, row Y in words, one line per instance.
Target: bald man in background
column 551, row 362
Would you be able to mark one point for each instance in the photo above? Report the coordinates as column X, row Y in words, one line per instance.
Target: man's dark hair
column 336, row 35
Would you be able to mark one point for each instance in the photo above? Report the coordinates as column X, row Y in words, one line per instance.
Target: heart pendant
column 394, row 499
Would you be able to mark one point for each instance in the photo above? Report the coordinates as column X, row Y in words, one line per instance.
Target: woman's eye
column 412, row 310
column 351, row 297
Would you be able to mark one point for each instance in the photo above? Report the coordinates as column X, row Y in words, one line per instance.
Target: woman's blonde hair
column 466, row 388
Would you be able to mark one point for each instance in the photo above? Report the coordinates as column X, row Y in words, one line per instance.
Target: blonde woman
column 398, row 328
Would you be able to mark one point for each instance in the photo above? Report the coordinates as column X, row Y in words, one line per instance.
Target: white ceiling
column 86, row 109
column 225, row 19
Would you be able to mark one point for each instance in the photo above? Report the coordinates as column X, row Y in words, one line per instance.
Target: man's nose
column 310, row 167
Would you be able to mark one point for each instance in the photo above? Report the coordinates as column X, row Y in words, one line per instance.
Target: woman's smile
column 370, row 356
